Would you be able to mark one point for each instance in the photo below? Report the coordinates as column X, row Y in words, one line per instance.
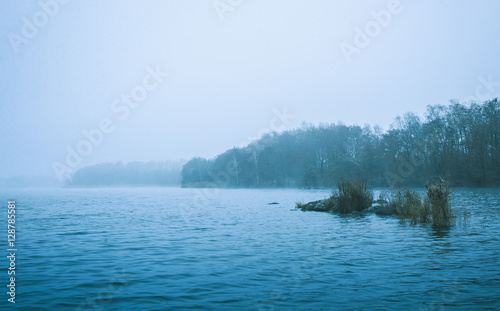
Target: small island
column 356, row 197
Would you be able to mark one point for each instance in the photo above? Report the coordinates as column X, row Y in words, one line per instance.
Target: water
column 181, row 249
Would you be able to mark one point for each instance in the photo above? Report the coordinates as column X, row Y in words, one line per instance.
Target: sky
column 86, row 82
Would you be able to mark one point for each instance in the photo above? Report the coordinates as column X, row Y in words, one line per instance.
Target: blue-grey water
column 195, row 249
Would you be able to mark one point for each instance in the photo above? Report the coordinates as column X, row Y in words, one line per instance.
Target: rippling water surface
column 188, row 249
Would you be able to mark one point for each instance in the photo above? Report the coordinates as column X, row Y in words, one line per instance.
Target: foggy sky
column 229, row 78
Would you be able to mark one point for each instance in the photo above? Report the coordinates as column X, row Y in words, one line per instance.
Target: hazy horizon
column 233, row 73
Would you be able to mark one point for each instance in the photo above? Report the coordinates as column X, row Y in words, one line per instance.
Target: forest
column 459, row 142
column 153, row 173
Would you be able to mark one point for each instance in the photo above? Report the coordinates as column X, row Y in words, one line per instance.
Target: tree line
column 153, row 173
column 459, row 142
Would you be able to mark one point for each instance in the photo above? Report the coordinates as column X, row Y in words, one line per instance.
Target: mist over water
column 171, row 80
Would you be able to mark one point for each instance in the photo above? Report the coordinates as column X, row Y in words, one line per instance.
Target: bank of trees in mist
column 154, row 173
column 458, row 142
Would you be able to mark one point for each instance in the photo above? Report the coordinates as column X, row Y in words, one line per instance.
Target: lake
column 206, row 249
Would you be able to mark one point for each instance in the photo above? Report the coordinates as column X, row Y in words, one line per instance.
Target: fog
column 171, row 80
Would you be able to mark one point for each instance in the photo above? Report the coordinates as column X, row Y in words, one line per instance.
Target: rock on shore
column 379, row 207
column 317, row 206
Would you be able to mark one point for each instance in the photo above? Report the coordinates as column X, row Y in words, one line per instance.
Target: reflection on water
column 155, row 249
column 440, row 232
